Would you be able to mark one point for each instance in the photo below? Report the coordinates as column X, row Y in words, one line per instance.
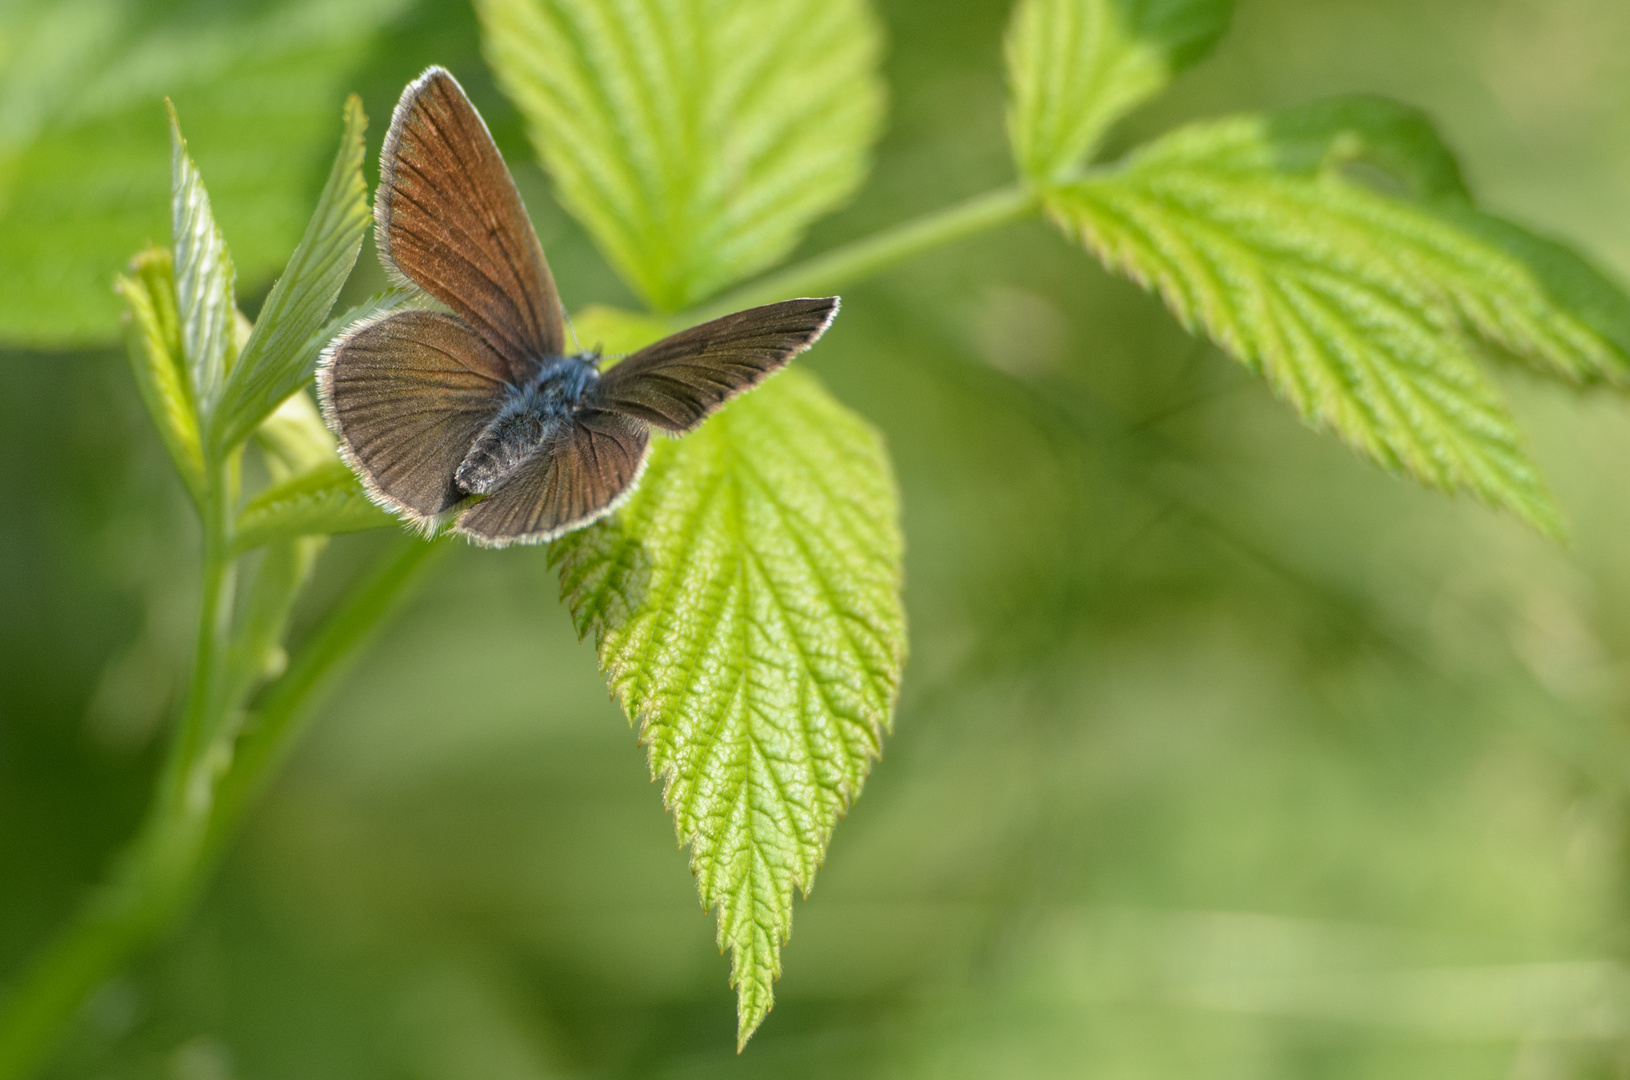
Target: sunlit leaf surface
column 746, row 604
column 695, row 139
column 1365, row 312
column 1077, row 66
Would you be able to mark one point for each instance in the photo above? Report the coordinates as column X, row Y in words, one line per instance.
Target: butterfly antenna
column 577, row 346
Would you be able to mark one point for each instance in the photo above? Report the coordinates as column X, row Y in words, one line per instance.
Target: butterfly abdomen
column 531, row 418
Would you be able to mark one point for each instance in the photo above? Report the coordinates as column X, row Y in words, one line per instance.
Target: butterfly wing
column 449, row 219
column 580, row 477
column 407, row 394
column 678, row 382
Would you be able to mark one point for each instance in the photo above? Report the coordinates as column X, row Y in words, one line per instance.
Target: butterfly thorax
column 532, row 416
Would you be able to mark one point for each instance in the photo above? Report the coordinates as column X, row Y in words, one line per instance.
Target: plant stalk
column 825, row 274
column 202, row 795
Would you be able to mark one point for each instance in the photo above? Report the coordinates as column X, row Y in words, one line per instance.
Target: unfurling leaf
column 695, row 140
column 204, row 279
column 746, row 604
column 327, row 501
column 1077, row 66
column 153, row 335
column 1366, row 312
column 282, row 351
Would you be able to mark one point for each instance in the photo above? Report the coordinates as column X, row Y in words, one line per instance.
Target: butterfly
column 480, row 408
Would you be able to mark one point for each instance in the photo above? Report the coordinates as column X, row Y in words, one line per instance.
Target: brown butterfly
column 435, row 409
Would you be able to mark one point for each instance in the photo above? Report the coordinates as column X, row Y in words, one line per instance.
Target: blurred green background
column 1220, row 753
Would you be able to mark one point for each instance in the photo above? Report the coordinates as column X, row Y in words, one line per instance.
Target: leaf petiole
column 827, row 273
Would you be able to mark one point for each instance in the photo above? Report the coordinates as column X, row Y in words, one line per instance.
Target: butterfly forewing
column 450, row 220
column 677, row 382
column 407, row 395
column 578, row 478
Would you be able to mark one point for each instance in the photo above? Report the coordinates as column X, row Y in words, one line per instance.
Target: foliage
column 697, row 140
column 746, row 602
column 747, row 610
column 81, row 147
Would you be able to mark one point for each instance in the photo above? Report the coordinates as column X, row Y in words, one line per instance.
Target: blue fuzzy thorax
column 533, row 415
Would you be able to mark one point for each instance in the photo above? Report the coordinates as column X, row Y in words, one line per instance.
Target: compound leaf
column 1077, row 66
column 1365, row 311
column 694, row 138
column 746, row 604
column 282, row 351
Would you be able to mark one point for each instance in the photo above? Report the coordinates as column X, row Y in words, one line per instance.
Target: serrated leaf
column 327, row 501
column 83, row 145
column 1077, row 66
column 153, row 336
column 204, row 279
column 746, row 605
column 1363, row 311
column 282, row 351
column 694, row 138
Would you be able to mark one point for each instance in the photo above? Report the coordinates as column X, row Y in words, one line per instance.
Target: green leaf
column 153, row 335
column 327, row 501
column 1365, row 312
column 204, row 279
column 1077, row 66
column 746, row 604
column 695, row 139
column 1396, row 149
column 83, row 146
column 282, row 351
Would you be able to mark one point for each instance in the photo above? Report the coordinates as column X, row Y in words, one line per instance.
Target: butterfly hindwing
column 449, row 219
column 407, row 394
column 580, row 476
column 678, row 382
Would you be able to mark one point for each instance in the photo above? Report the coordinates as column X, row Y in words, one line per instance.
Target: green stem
column 196, row 806
column 825, row 274
column 288, row 705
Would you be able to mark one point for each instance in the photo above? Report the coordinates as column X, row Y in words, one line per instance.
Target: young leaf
column 203, row 279
column 694, row 140
column 746, row 605
column 153, row 335
column 327, row 501
column 281, row 352
column 1077, row 66
column 1361, row 310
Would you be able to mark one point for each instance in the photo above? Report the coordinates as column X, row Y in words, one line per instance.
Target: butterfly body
column 480, row 410
column 533, row 416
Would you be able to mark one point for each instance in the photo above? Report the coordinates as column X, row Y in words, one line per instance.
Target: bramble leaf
column 83, row 148
column 282, row 351
column 1077, row 66
column 204, row 280
column 153, row 336
column 1366, row 312
column 746, row 605
column 327, row 501
column 695, row 140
